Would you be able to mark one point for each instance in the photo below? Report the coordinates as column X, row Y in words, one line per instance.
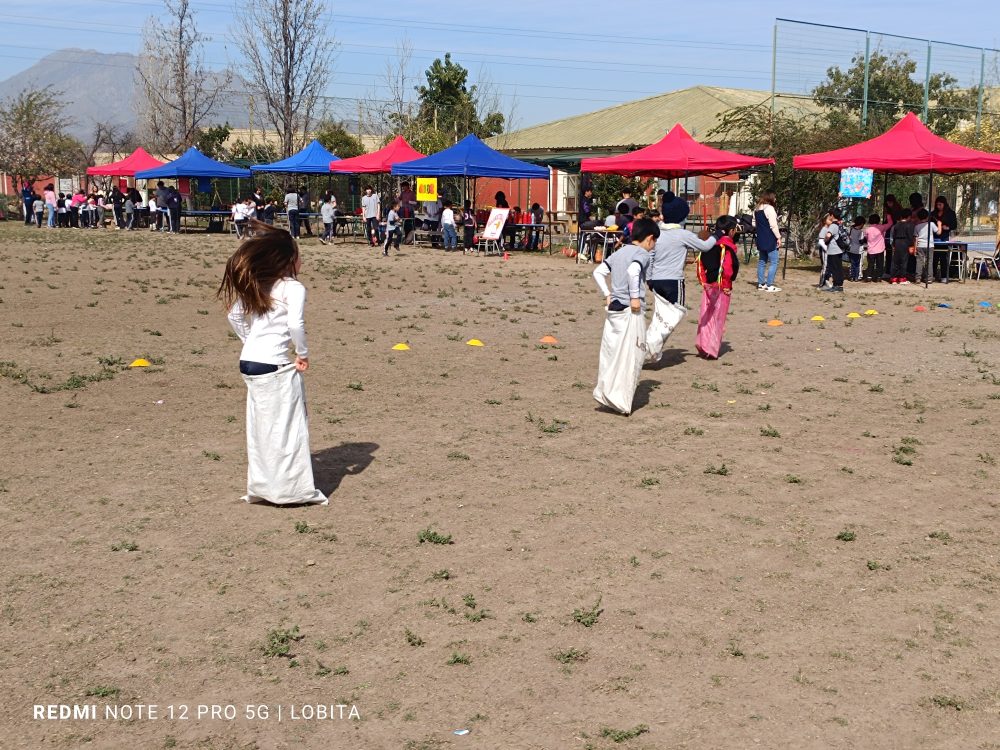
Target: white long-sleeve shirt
column 266, row 338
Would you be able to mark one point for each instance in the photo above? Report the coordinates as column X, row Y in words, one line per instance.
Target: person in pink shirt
column 49, row 195
column 875, row 235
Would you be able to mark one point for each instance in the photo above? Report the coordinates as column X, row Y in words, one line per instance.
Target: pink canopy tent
column 380, row 161
column 137, row 161
column 677, row 154
column 908, row 147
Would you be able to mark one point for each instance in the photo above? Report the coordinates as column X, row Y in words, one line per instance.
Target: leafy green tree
column 210, row 141
column 892, row 91
column 336, row 139
column 449, row 105
column 33, row 142
column 753, row 130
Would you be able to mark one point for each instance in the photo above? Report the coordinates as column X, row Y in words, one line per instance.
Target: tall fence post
column 927, row 81
column 864, row 103
column 774, row 66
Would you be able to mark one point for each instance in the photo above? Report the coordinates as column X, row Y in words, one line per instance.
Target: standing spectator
column 448, row 230
column 174, row 209
column 117, row 201
column 371, row 210
column 923, row 242
column 629, row 201
column 501, row 199
column 162, row 194
column 833, row 254
column 305, row 207
column 717, row 270
column 28, row 200
column 768, row 235
column 292, row 209
column 62, row 219
column 38, row 209
column 258, row 201
column 875, row 239
column 407, row 208
column 49, row 194
column 129, row 212
column 892, row 208
column 328, row 212
column 944, row 217
column 269, row 210
column 586, row 204
column 538, row 220
column 902, row 237
column 857, row 238
column 392, row 231
column 468, row 226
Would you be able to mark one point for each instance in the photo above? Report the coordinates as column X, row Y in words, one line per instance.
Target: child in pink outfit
column 875, row 234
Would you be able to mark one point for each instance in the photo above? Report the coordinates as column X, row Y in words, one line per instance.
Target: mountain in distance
column 95, row 86
column 101, row 87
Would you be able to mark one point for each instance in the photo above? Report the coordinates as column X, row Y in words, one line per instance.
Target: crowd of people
column 391, row 223
column 126, row 210
column 898, row 246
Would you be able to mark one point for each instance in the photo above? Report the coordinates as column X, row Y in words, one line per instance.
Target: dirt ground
column 792, row 547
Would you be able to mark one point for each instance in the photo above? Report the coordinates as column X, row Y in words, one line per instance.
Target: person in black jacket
column 945, row 216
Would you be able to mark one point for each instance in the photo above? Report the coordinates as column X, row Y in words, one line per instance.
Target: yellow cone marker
column 775, row 323
column 871, row 312
column 853, row 315
column 401, row 348
column 817, row 318
column 474, row 342
column 548, row 340
column 140, row 363
column 733, row 401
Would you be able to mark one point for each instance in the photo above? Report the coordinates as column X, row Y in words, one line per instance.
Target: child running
column 266, row 307
column 623, row 345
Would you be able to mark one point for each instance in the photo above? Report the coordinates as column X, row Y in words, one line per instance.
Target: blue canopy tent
column 192, row 163
column 470, row 157
column 313, row 159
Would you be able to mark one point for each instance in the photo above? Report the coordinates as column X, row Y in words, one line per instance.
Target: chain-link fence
column 874, row 77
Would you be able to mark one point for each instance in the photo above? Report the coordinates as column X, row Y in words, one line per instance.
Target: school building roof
column 617, row 129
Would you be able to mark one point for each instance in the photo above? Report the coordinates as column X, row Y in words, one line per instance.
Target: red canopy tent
column 137, row 161
column 380, row 161
column 908, row 147
column 677, row 154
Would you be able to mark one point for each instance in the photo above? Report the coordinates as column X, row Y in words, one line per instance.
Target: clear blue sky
column 553, row 58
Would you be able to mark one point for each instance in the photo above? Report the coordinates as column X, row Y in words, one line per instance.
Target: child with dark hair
column 537, row 221
column 266, row 309
column 468, row 226
column 621, row 280
column 449, row 233
column 38, row 209
column 856, row 237
column 875, row 240
column 717, row 270
column 923, row 244
column 392, row 228
column 902, row 237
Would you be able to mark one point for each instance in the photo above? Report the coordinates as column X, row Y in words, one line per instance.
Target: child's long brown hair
column 254, row 268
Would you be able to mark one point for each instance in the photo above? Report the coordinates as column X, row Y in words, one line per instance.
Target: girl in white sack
column 266, row 306
column 621, row 279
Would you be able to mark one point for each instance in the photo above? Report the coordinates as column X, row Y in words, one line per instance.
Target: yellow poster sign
column 427, row 189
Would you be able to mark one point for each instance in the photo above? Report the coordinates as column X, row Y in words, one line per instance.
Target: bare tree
column 179, row 93
column 287, row 59
column 385, row 116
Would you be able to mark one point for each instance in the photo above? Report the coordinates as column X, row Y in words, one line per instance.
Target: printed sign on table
column 856, row 182
column 494, row 224
column 427, row 189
